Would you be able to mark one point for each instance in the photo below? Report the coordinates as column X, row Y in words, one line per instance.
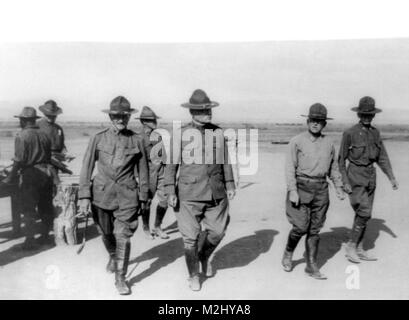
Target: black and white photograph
column 139, row 162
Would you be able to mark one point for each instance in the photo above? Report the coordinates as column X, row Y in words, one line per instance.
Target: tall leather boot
column 206, row 248
column 192, row 262
column 145, row 224
column 362, row 254
column 311, row 246
column 350, row 248
column 110, row 245
column 293, row 239
column 160, row 213
column 123, row 248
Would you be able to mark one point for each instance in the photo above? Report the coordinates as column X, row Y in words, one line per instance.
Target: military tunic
column 201, row 184
column 55, row 133
column 121, row 161
column 362, row 146
column 33, row 156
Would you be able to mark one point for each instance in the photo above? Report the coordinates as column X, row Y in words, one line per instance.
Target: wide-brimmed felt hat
column 147, row 114
column 50, row 108
column 199, row 101
column 28, row 113
column 120, row 105
column 366, row 106
column 318, row 111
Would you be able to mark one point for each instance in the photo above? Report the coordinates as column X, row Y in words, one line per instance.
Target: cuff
column 143, row 196
column 84, row 193
column 230, row 185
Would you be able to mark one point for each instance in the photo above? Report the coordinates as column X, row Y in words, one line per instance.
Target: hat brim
column 305, row 116
column 356, row 109
column 203, row 106
column 147, row 118
column 119, row 112
column 19, row 116
column 46, row 112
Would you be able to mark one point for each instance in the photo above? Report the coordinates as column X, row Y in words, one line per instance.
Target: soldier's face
column 315, row 126
column 366, row 118
column 119, row 121
column 202, row 116
column 152, row 124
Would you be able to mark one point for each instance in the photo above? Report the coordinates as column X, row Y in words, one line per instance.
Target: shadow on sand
column 241, row 252
column 332, row 241
column 237, row 253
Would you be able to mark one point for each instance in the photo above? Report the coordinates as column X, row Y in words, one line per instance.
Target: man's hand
column 340, row 193
column 347, row 188
column 172, row 200
column 395, row 184
column 231, row 193
column 85, row 206
column 294, row 197
column 144, row 205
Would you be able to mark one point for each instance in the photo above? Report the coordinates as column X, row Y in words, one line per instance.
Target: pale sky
column 260, row 81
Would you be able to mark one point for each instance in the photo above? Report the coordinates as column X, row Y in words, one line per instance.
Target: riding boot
column 110, row 244
column 145, row 224
column 160, row 214
column 123, row 248
column 192, row 262
column 356, row 234
column 286, row 262
column 206, row 248
column 311, row 246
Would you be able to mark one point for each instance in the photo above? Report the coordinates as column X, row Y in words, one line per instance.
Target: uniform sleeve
column 343, row 156
column 20, row 155
column 88, row 165
column 384, row 162
column 335, row 174
column 228, row 169
column 291, row 164
column 143, row 172
column 63, row 147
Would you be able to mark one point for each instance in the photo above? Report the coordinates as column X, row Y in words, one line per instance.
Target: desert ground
column 247, row 262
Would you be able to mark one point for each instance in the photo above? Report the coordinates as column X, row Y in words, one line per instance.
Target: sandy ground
column 248, row 259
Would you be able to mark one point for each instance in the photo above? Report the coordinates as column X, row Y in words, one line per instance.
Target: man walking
column 113, row 191
column 32, row 162
column 362, row 146
column 310, row 160
column 149, row 122
column 205, row 186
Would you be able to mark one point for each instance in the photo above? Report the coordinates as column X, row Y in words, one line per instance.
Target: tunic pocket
column 357, row 150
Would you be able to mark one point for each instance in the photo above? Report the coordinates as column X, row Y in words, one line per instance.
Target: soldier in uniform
column 362, row 146
column 204, row 186
column 113, row 192
column 148, row 119
column 32, row 161
column 310, row 160
column 48, row 124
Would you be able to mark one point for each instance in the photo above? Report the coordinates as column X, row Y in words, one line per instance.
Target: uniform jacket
column 156, row 160
column 122, row 167
column 55, row 133
column 199, row 181
column 363, row 146
column 32, row 147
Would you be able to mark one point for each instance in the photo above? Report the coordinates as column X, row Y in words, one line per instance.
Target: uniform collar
column 364, row 127
column 31, row 126
column 115, row 131
column 313, row 138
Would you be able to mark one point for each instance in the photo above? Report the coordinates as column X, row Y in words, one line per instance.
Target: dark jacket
column 363, row 146
column 200, row 181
